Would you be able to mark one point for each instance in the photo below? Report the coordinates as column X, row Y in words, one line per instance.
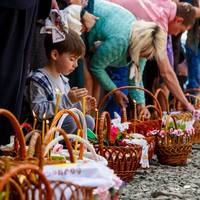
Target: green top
column 113, row 29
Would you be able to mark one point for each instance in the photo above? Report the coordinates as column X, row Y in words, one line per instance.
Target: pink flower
column 102, row 193
column 117, row 182
column 162, row 133
column 152, row 132
column 57, row 148
column 113, row 135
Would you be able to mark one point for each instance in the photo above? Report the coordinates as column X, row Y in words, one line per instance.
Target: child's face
column 66, row 63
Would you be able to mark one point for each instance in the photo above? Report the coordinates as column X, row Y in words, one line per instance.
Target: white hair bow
column 59, row 22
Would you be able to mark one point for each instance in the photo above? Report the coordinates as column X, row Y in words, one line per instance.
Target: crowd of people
column 89, row 48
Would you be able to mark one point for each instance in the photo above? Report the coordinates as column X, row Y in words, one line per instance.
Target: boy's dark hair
column 73, row 44
column 187, row 12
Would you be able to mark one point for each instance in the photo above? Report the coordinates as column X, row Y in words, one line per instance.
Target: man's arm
column 171, row 81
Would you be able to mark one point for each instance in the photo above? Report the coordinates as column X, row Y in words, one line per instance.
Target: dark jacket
column 18, row 4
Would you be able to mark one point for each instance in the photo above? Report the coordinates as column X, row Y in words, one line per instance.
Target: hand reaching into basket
column 189, row 107
column 76, row 94
column 121, row 98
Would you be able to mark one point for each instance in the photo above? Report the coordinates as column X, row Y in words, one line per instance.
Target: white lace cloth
column 142, row 142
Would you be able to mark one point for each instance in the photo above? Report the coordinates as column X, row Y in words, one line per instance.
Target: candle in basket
column 135, row 115
column 83, row 105
column 35, row 120
column 97, row 120
column 76, row 145
column 58, row 94
column 47, row 125
column 43, row 126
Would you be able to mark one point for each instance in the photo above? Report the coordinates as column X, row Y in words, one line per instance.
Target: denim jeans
column 120, row 77
column 193, row 60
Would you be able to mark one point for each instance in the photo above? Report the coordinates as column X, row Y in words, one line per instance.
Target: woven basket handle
column 26, row 170
column 76, row 137
column 168, row 117
column 35, row 145
column 30, row 134
column 197, row 99
column 102, row 103
column 79, row 126
column 104, row 120
column 49, row 135
column 177, row 103
column 18, row 131
column 162, row 92
column 147, row 107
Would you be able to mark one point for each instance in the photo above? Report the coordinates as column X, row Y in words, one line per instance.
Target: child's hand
column 75, row 94
column 90, row 104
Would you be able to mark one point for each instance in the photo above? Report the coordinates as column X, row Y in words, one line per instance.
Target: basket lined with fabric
column 75, row 114
column 141, row 125
column 64, row 190
column 173, row 149
column 124, row 160
column 188, row 116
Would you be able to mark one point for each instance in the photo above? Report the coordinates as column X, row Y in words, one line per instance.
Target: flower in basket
column 180, row 130
column 58, row 148
column 152, row 132
column 115, row 136
column 117, row 130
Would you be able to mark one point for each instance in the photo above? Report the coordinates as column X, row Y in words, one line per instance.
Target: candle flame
column 44, row 115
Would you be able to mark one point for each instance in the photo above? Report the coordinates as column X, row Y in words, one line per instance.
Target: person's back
column 158, row 11
column 113, row 21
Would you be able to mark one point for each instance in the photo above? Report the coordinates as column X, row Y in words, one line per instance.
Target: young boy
column 44, row 84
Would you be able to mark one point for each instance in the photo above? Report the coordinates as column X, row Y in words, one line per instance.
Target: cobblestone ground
column 162, row 182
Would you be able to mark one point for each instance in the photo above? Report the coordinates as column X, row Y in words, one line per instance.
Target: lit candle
column 96, row 121
column 43, row 126
column 47, row 125
column 58, row 94
column 83, row 105
column 135, row 115
column 135, row 109
column 35, row 120
column 76, row 145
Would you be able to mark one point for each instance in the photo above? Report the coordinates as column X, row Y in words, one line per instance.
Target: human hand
column 75, row 94
column 90, row 104
column 54, row 4
column 121, row 98
column 89, row 21
column 189, row 107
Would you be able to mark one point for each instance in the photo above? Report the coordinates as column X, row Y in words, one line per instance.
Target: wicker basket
column 77, row 192
column 124, row 160
column 141, row 126
column 20, row 147
column 79, row 126
column 25, row 182
column 173, row 150
column 187, row 116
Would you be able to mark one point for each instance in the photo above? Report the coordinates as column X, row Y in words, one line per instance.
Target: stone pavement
column 162, row 182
